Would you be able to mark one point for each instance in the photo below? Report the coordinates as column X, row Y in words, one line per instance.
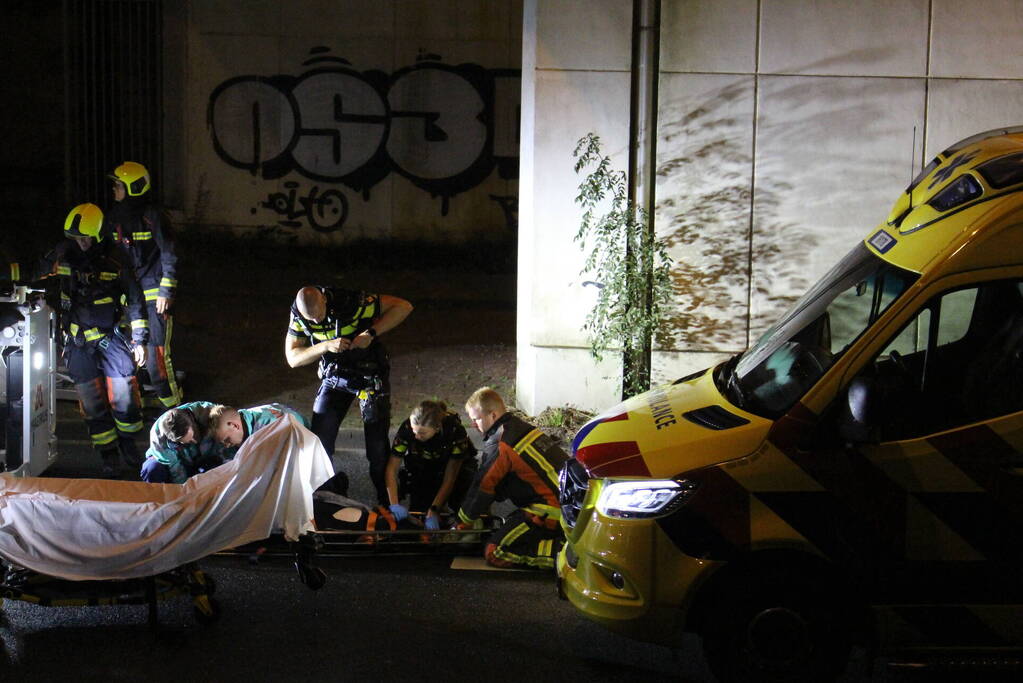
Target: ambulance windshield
column 797, row 350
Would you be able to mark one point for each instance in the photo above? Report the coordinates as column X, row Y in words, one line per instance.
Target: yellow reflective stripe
column 103, row 438
column 541, row 510
column 347, row 329
column 104, row 275
column 151, row 294
column 324, row 336
column 172, row 380
column 525, row 447
column 128, row 426
column 169, row 401
column 142, row 235
column 400, row 448
column 501, row 553
column 140, row 324
column 92, row 334
column 63, row 270
column 168, row 282
column 104, row 300
column 15, row 272
column 73, row 328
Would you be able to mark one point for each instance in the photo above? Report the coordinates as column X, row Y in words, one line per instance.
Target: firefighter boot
column 111, row 463
column 130, row 453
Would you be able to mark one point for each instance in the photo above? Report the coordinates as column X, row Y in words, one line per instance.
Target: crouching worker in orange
column 432, row 461
column 521, row 464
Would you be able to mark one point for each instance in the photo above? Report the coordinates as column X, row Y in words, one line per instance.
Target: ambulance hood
column 668, row 430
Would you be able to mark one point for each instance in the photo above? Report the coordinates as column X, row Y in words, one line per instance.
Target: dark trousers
column 330, row 407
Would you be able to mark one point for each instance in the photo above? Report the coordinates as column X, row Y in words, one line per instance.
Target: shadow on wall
column 703, row 214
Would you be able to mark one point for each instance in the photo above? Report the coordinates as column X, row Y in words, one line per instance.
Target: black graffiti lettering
column 326, row 211
column 444, row 128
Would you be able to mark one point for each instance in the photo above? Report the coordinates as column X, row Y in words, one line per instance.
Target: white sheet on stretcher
column 100, row 529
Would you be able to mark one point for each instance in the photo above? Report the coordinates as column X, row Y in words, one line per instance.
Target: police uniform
column 140, row 228
column 521, row 464
column 354, row 373
column 98, row 358
column 423, row 462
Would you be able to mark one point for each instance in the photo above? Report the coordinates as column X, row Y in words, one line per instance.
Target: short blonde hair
column 486, row 400
column 219, row 414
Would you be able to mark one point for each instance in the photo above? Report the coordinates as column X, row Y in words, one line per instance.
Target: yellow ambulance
column 856, row 476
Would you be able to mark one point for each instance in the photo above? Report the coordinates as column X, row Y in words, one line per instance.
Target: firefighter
column 140, row 226
column 94, row 274
column 339, row 329
column 433, row 459
column 521, row 464
column 230, row 426
column 181, row 445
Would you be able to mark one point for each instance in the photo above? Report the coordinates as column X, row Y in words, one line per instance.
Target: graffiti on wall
column 445, row 128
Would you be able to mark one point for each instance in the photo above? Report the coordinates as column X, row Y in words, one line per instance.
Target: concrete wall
column 787, row 128
column 322, row 121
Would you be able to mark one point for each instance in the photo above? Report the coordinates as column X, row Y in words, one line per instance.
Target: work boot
column 130, row 453
column 111, row 468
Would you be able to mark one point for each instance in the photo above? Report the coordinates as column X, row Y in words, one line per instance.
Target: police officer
column 521, row 464
column 339, row 328
column 432, row 456
column 94, row 275
column 139, row 225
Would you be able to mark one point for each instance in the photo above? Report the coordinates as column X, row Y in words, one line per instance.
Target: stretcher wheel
column 206, row 610
column 313, row 577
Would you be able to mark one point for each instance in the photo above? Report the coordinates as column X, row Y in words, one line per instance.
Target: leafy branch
column 630, row 265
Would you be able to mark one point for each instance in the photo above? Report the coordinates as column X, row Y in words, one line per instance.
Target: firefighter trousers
column 108, row 393
column 522, row 541
column 158, row 363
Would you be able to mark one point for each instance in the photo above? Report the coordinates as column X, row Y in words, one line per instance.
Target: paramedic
column 338, row 328
column 521, row 464
column 230, row 427
column 181, row 445
column 434, row 460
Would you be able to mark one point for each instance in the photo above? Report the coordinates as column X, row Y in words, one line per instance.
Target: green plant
column 630, row 265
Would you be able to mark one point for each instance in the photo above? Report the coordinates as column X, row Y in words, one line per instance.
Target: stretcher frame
column 186, row 580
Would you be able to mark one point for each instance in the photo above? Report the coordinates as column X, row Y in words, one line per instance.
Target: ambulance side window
column 960, row 360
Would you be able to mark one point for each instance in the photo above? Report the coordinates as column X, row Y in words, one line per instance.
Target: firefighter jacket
column 146, row 234
column 92, row 284
column 349, row 313
column 431, row 456
column 521, row 464
column 253, row 419
column 183, row 458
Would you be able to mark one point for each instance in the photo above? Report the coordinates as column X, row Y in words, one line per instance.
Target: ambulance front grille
column 573, row 481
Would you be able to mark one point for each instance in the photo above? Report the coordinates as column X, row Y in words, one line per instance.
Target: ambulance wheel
column 776, row 627
column 206, row 610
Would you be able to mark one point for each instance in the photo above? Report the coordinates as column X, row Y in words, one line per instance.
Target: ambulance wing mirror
column 858, row 422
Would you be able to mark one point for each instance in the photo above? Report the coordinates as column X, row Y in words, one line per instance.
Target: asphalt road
column 379, row 617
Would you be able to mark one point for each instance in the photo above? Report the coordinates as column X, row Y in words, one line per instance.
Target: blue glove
column 399, row 511
column 433, row 523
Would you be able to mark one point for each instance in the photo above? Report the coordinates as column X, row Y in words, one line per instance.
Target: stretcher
column 70, row 542
column 46, row 591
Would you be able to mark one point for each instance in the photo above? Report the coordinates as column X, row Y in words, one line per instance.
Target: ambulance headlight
column 645, row 498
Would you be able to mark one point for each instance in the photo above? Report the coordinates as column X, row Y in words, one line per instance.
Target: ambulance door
column 946, row 407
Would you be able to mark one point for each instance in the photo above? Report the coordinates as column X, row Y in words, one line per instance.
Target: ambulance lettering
column 660, row 409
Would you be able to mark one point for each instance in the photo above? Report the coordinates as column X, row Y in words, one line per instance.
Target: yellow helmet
column 134, row 176
column 85, row 220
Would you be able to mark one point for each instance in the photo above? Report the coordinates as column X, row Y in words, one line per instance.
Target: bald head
column 311, row 303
